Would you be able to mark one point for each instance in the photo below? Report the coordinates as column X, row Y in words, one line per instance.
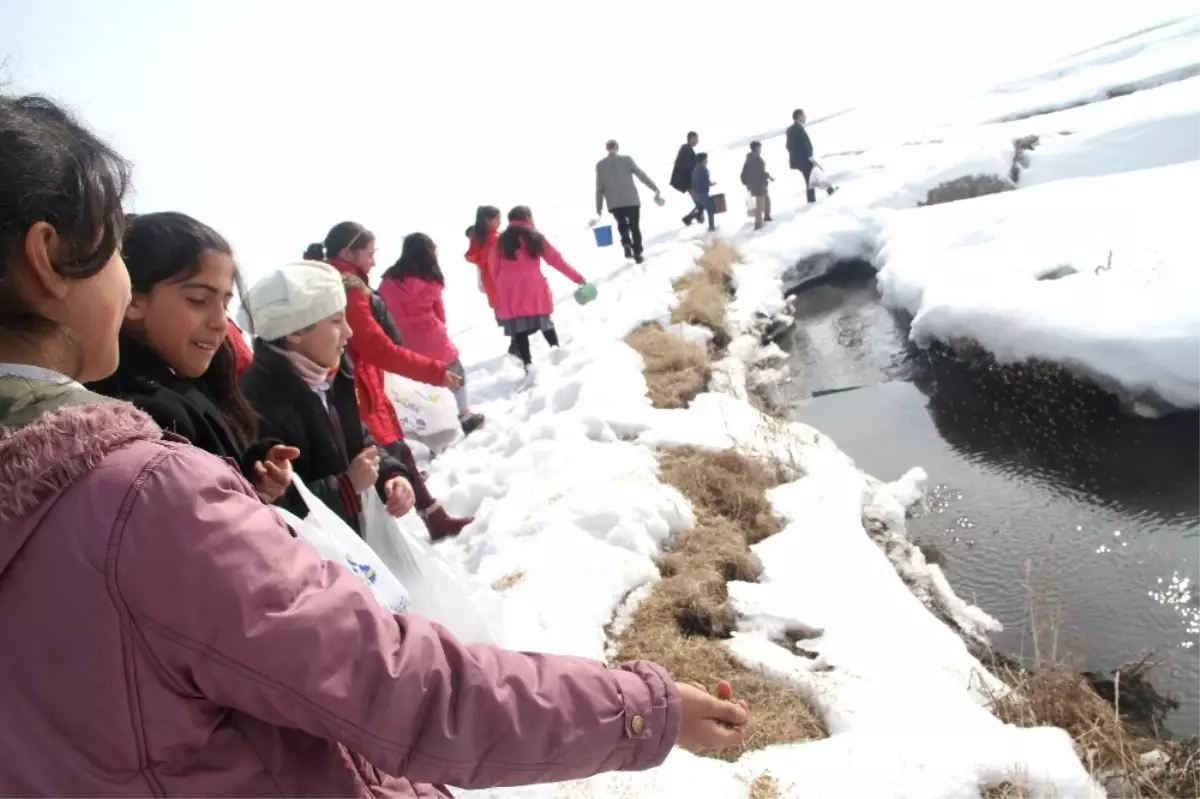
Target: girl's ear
column 136, row 312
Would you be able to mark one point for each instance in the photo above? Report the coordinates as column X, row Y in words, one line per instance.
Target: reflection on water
column 1042, row 496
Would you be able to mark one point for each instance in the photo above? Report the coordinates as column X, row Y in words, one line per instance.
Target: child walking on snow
column 412, row 289
column 481, row 240
column 524, row 302
column 701, row 189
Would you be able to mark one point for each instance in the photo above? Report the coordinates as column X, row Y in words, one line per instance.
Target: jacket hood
column 51, row 436
column 409, row 288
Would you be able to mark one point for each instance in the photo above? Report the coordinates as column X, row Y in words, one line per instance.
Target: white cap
column 292, row 298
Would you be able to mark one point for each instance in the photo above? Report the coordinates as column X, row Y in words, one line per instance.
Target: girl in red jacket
column 375, row 348
column 481, row 238
column 412, row 289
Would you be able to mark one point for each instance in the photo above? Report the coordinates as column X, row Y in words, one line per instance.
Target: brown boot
column 441, row 524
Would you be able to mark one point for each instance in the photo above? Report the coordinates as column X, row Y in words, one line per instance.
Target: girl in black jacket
column 176, row 364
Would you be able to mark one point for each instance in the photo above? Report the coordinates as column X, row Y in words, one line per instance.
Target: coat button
column 638, row 725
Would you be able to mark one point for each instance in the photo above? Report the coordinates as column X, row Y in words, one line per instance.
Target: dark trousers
column 806, row 170
column 400, row 451
column 697, row 214
column 520, row 344
column 707, row 204
column 629, row 225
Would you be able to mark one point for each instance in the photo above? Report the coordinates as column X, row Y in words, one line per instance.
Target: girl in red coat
column 481, row 238
column 375, row 349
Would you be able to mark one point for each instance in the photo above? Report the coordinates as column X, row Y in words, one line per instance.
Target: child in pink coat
column 523, row 299
column 412, row 289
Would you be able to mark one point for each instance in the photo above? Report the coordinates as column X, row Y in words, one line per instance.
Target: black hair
column 611, row 145
column 484, row 215
column 701, row 158
column 692, row 133
column 54, row 170
column 166, row 248
column 418, row 258
column 340, row 236
column 514, row 236
column 755, row 145
column 796, row 114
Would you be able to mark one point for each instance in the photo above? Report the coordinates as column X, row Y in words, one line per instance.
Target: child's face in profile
column 324, row 342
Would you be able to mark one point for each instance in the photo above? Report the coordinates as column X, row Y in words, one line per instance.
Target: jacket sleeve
column 642, row 176
column 439, row 308
column 555, row 259
column 251, row 619
column 336, row 491
column 599, row 192
column 746, row 172
column 389, row 466
column 371, row 344
column 804, row 146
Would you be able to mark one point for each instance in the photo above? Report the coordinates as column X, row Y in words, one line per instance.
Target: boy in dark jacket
column 681, row 175
column 755, row 178
column 800, row 149
column 701, row 183
column 302, row 386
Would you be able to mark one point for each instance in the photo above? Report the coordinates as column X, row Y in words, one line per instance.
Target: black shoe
column 629, row 253
column 831, row 190
column 688, row 220
column 638, row 259
column 471, row 423
column 767, row 219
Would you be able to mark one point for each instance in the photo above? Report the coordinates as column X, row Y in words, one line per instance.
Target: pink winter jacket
column 521, row 288
column 416, row 308
column 165, row 636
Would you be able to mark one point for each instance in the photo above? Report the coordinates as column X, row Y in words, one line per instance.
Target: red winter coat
column 521, row 288
column 242, row 354
column 480, row 255
column 420, row 315
column 374, row 351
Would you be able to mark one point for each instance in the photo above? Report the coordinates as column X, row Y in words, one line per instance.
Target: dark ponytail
column 516, row 236
column 315, row 252
column 483, row 219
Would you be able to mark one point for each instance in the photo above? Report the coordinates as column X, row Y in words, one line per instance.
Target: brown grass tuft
column 966, row 188
column 681, row 623
column 764, row 786
column 508, row 581
column 676, row 370
column 702, row 303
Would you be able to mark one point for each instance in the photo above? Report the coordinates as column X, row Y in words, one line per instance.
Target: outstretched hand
column 399, row 495
column 711, row 723
column 451, row 380
column 273, row 474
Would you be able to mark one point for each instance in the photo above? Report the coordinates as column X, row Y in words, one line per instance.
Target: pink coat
column 416, row 308
column 166, row 636
column 521, row 288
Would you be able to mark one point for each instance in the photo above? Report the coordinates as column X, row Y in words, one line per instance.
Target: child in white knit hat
column 302, row 387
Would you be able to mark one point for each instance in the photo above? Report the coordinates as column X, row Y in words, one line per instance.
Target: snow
column 570, row 512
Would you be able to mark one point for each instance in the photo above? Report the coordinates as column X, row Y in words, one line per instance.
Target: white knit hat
column 292, row 298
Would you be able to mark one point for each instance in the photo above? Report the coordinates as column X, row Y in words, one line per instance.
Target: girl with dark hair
column 375, row 348
column 177, row 362
column 412, row 289
column 524, row 301
column 174, row 639
column 481, row 238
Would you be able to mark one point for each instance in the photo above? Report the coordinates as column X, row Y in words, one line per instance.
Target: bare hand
column 711, row 723
column 451, row 380
column 364, row 469
column 399, row 494
column 273, row 475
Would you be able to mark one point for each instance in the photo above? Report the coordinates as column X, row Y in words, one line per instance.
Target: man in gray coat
column 755, row 178
column 614, row 185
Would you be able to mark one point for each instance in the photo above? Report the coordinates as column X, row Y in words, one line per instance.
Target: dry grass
column 676, row 370
column 681, row 623
column 764, row 786
column 1021, row 149
column 508, row 581
column 966, row 188
column 704, row 294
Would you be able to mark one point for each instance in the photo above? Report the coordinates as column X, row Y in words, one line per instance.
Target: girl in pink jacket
column 412, row 289
column 172, row 639
column 523, row 299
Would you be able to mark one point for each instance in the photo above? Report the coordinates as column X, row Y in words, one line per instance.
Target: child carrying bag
column 335, row 541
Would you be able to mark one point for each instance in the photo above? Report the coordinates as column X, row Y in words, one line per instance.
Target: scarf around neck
column 315, row 376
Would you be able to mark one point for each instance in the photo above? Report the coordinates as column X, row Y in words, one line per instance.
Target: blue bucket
column 603, row 235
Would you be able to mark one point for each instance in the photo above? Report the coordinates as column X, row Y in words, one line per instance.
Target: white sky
column 271, row 121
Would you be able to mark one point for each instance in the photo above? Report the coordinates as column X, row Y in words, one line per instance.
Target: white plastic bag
column 335, row 541
column 751, row 204
column 479, row 279
column 817, row 178
column 437, row 589
column 423, row 410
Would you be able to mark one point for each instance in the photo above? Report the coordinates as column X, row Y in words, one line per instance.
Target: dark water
column 1049, row 507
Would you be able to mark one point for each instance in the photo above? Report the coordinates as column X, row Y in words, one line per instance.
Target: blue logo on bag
column 365, row 569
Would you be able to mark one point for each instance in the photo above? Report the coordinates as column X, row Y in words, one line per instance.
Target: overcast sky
column 273, row 120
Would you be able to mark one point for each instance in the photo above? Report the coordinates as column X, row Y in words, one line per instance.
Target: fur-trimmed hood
column 51, row 435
